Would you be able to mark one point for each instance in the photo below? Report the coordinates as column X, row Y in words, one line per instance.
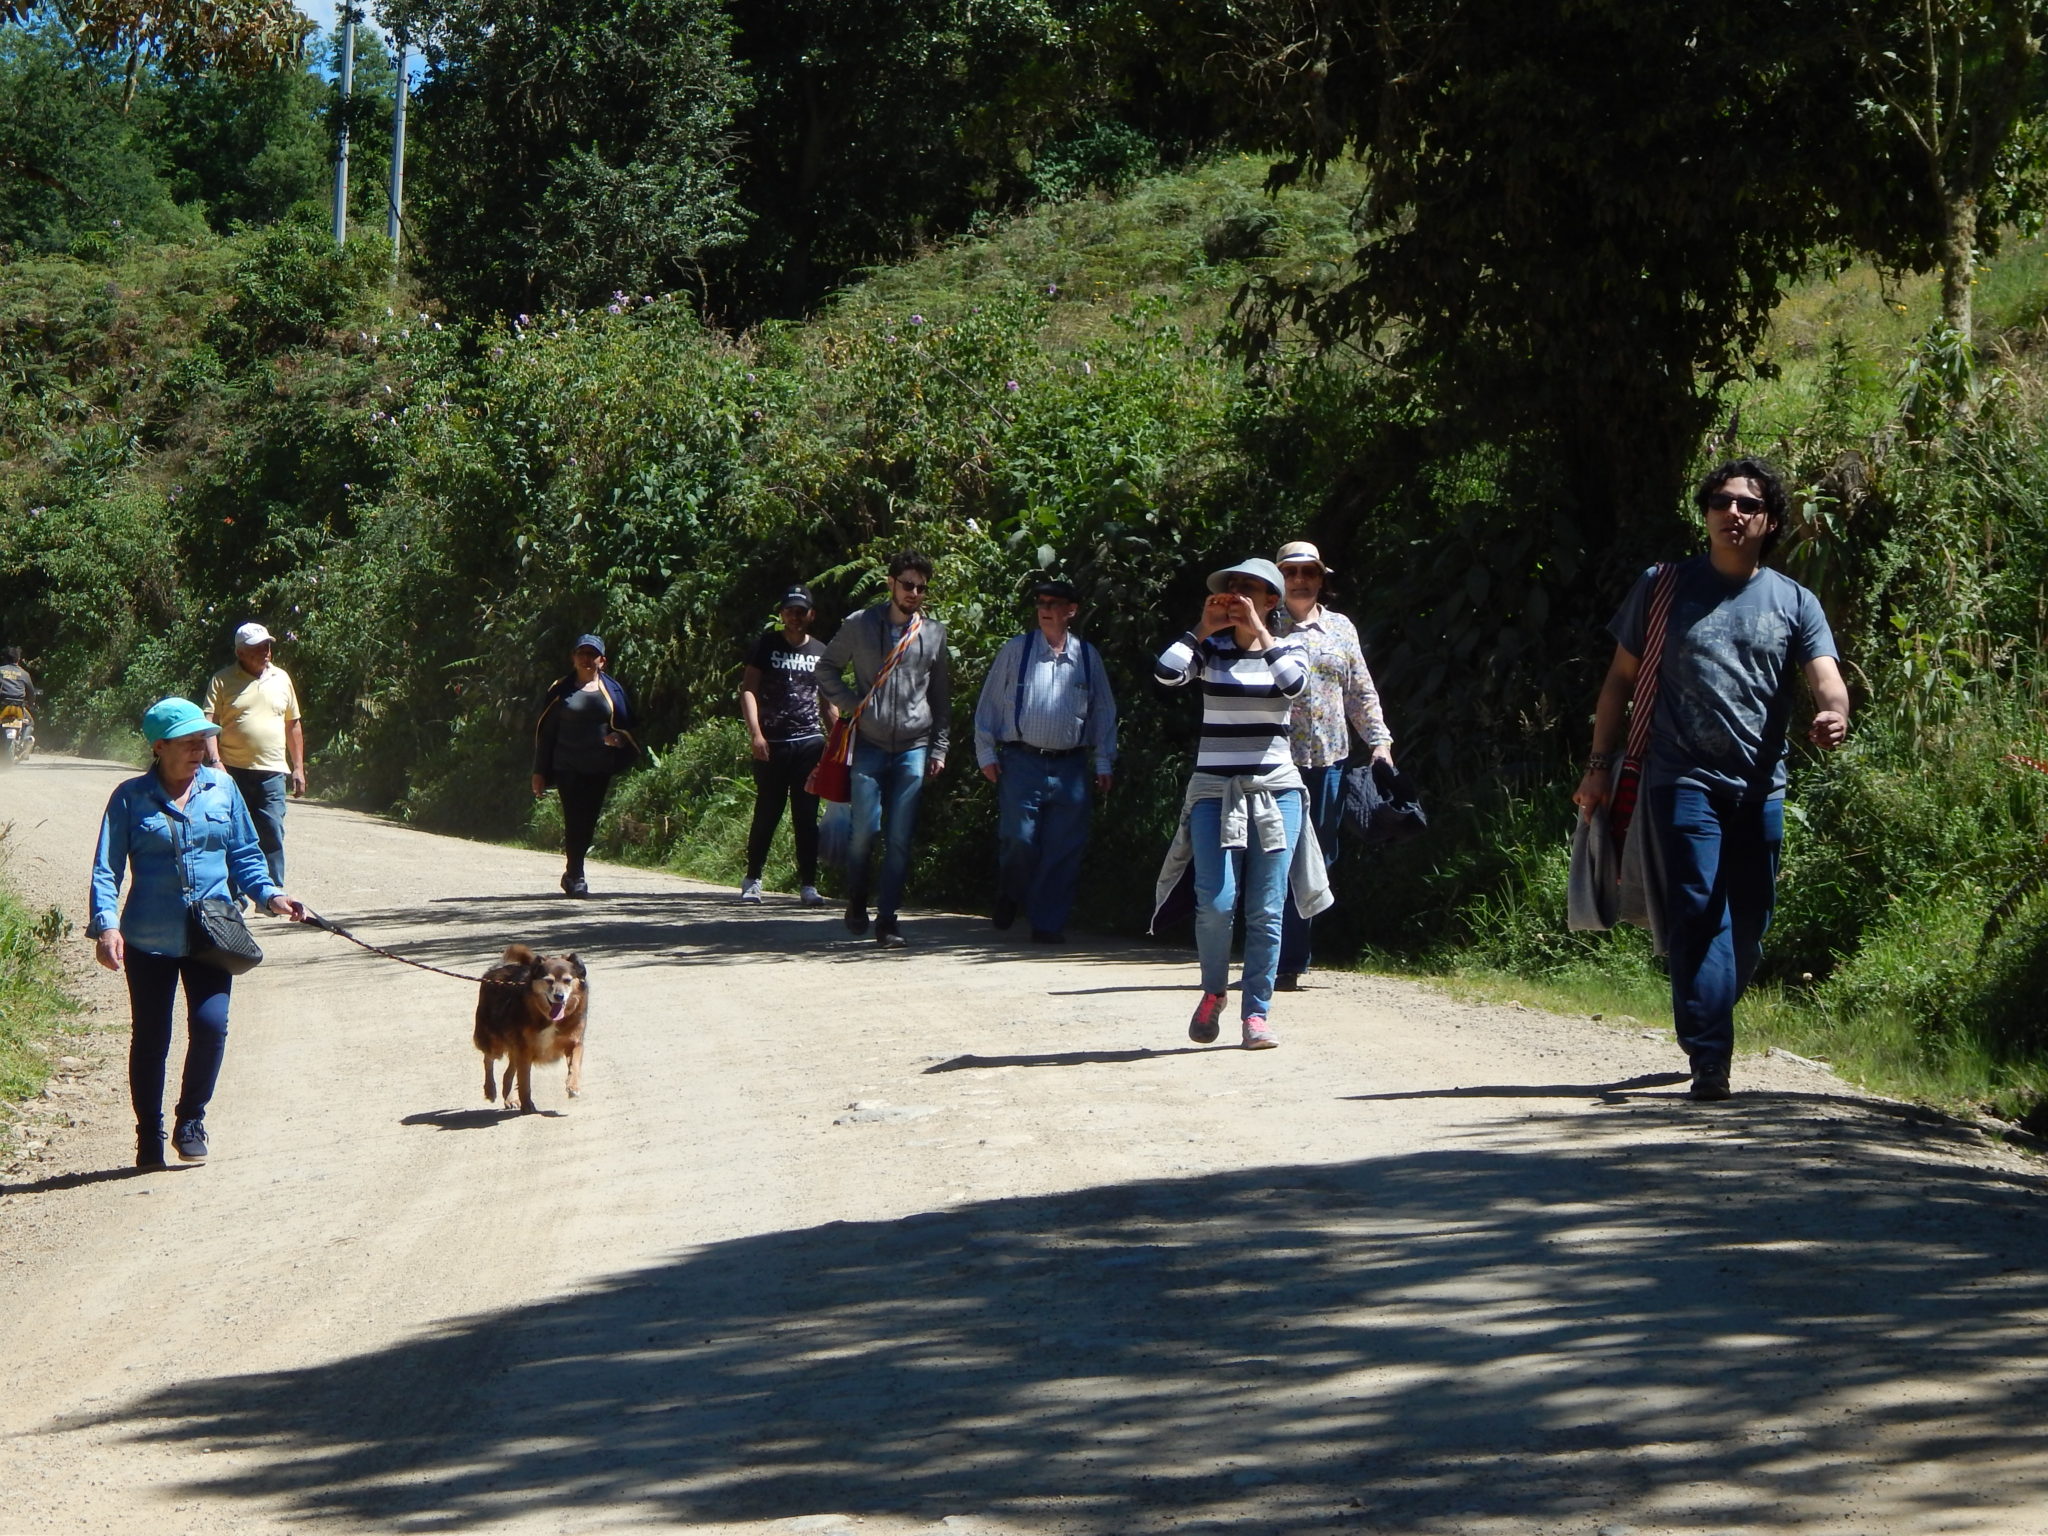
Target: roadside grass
column 1879, row 1050
column 35, row 1009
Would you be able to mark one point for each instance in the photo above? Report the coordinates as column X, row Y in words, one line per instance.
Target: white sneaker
column 750, row 893
column 811, row 898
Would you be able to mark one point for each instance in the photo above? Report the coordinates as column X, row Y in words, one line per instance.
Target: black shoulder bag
column 214, row 930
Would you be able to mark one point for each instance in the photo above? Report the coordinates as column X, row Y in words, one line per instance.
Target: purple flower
column 917, row 319
column 1011, row 386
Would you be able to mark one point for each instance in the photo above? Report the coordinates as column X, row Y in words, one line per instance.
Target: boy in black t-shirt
column 779, row 702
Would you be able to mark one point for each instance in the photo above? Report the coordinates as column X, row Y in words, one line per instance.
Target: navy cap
column 593, row 642
column 796, row 597
column 1054, row 586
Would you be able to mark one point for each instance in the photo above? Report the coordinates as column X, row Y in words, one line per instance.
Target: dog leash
column 342, row 933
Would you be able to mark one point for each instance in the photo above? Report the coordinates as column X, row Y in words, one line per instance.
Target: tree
column 1951, row 82
column 1582, row 212
column 875, row 124
column 569, row 150
column 245, row 149
column 240, row 37
column 73, row 166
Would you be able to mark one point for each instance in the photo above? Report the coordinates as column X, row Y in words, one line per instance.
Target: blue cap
column 593, row 642
column 1264, row 570
column 168, row 719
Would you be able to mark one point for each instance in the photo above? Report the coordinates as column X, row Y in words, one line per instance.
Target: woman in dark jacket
column 585, row 735
column 174, row 834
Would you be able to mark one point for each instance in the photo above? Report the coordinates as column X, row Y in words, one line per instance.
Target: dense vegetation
column 1119, row 352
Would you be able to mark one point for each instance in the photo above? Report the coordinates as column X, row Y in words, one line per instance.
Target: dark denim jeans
column 152, row 995
column 264, row 794
column 1720, row 882
column 1043, row 809
column 886, row 788
column 1325, row 813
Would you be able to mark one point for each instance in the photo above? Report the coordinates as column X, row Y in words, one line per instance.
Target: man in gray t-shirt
column 1734, row 640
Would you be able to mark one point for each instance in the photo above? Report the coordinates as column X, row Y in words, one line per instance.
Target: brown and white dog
column 531, row 1010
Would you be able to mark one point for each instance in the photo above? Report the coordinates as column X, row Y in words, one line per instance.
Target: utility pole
column 397, row 199
column 348, row 85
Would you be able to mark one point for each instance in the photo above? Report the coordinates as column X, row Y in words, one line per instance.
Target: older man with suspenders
column 1044, row 728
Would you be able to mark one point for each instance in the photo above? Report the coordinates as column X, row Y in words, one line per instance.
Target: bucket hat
column 169, row 719
column 1264, row 570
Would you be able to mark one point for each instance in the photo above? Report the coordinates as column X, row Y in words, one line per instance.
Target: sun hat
column 593, row 642
column 169, row 719
column 253, row 633
column 796, row 597
column 1055, row 586
column 1264, row 570
column 1301, row 552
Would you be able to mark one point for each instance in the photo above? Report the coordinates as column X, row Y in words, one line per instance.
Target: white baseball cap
column 253, row 633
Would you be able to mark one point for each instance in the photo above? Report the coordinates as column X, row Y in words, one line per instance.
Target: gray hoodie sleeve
column 833, row 665
column 940, row 695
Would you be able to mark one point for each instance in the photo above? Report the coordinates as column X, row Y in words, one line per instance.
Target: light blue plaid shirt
column 1067, row 701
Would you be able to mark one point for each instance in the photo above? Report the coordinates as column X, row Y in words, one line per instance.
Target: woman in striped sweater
column 1242, row 819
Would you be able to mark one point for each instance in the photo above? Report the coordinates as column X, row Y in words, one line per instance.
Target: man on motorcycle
column 18, row 693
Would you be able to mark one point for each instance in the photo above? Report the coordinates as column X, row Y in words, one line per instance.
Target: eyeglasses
column 1721, row 501
column 910, row 588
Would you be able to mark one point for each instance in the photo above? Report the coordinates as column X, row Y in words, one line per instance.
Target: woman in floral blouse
column 1340, row 698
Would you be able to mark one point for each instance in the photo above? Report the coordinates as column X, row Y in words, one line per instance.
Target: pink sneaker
column 1258, row 1034
column 1202, row 1028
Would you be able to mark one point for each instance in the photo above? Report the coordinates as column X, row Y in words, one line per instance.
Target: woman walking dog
column 176, row 832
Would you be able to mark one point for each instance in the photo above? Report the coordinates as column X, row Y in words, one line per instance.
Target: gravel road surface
column 969, row 1238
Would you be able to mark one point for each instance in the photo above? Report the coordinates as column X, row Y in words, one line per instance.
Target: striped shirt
column 1246, row 697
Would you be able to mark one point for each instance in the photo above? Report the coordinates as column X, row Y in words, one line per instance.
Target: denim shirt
column 143, row 834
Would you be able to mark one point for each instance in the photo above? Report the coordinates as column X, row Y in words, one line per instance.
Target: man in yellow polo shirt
column 261, row 742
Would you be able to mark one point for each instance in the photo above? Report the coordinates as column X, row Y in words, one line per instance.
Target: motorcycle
column 17, row 734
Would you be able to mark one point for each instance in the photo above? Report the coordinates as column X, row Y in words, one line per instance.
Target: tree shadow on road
column 1800, row 1307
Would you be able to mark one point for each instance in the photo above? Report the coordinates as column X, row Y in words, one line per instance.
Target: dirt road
column 969, row 1238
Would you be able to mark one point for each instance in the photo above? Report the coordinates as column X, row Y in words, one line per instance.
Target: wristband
column 1599, row 762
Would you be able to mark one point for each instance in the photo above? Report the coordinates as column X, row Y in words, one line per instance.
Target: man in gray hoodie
column 900, row 732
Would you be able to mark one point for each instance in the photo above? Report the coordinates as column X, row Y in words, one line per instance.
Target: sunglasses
column 910, row 588
column 1721, row 501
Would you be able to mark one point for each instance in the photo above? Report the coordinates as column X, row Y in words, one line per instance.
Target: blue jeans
column 1720, row 882
column 1325, row 812
column 1043, row 810
column 1263, row 878
column 886, row 786
column 264, row 794
column 152, row 995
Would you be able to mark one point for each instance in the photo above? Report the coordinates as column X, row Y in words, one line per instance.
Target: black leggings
column 582, row 799
column 781, row 779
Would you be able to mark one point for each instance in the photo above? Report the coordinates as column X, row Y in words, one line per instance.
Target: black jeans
column 152, row 995
column 582, row 800
column 781, row 779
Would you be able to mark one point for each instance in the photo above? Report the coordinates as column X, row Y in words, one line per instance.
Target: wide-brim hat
column 1264, row 570
column 169, row 719
column 1301, row 552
